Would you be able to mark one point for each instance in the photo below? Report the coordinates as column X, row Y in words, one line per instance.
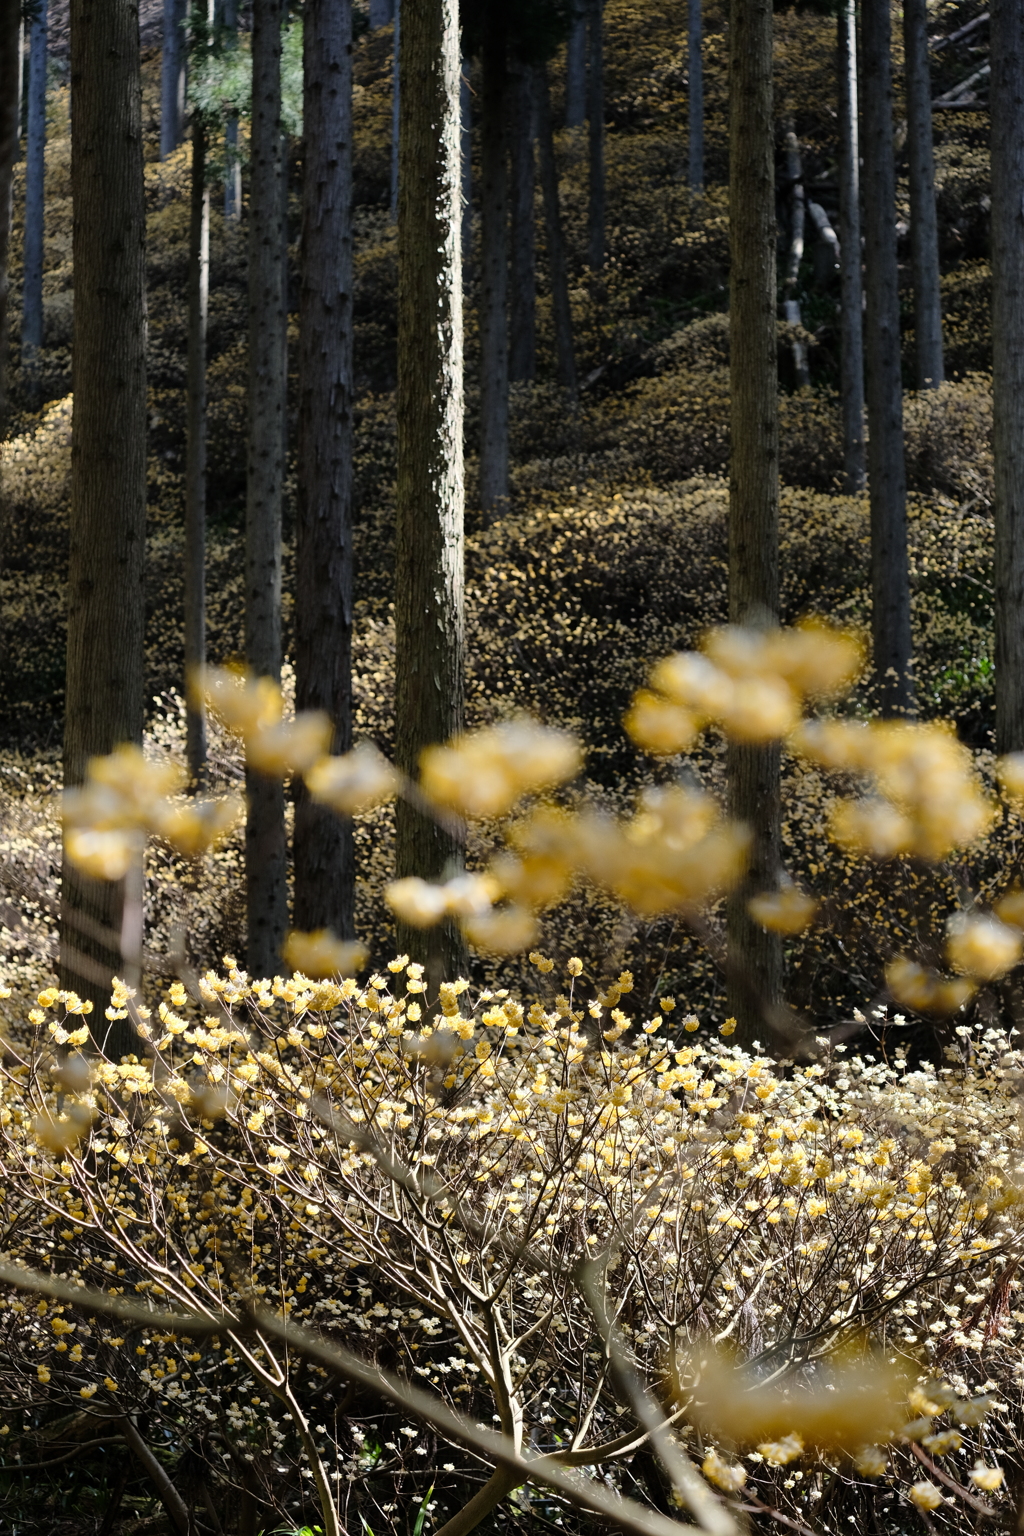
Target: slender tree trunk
column 595, row 115
column 10, row 75
column 324, row 850
column 890, row 579
column 523, row 274
column 396, row 107
column 195, row 466
column 466, row 151
column 106, row 598
column 576, row 67
column 35, row 179
column 233, row 166
column 381, row 12
column 265, row 856
column 755, row 956
column 493, row 270
column 429, row 579
column 795, row 255
column 1007, row 108
column 172, row 78
column 924, row 227
column 695, row 102
column 557, row 266
column 851, row 359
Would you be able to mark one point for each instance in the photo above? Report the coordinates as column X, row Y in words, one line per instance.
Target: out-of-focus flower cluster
column 125, row 796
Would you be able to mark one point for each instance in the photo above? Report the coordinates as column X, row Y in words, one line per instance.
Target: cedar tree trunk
column 924, row 227
column 265, row 857
column 557, row 265
column 851, row 317
column 493, row 270
column 522, row 350
column 890, row 579
column 595, row 116
column 695, row 99
column 429, row 577
column 195, row 463
column 106, row 598
column 755, row 956
column 324, row 850
column 35, row 180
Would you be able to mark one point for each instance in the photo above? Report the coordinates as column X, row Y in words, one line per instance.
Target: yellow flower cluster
column 751, row 683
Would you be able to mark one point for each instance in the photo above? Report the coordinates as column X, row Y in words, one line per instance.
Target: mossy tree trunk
column 890, row 577
column 1007, row 107
column 429, row 577
column 754, row 956
column 324, row 853
column 265, row 850
column 851, row 346
column 106, row 598
column 924, row 226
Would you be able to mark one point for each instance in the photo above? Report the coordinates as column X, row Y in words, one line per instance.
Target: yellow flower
column 788, row 910
column 484, row 773
column 354, row 782
column 982, row 946
column 926, row 1495
column 729, row 1478
column 988, row 1479
column 322, row 954
column 780, row 1452
column 103, row 855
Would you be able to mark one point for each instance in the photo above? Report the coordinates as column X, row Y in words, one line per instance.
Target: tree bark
column 1007, row 109
column 381, row 12
column 755, row 956
column 466, row 152
column 172, row 78
column 522, row 352
column 557, row 265
column 10, row 76
column 429, row 577
column 695, row 99
column 324, row 854
column 790, row 284
column 396, row 107
column 265, row 855
column 576, row 68
column 851, row 311
column 924, row 228
column 595, row 116
column 195, row 462
column 890, row 579
column 233, row 166
column 494, row 269
column 104, row 686
column 35, row 181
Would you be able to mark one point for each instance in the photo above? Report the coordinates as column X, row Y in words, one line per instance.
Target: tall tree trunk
column 576, row 67
column 557, row 266
column 265, row 854
column 429, row 578
column 233, row 162
column 35, row 179
column 755, row 956
column 381, row 12
column 104, row 687
column 1007, row 108
column 595, row 115
column 396, row 107
column 791, row 278
column 523, row 276
column 890, row 579
column 851, row 319
column 924, row 227
column 172, row 78
column 324, row 852
column 466, row 152
column 195, row 466
column 695, row 101
column 493, row 269
column 10, row 75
